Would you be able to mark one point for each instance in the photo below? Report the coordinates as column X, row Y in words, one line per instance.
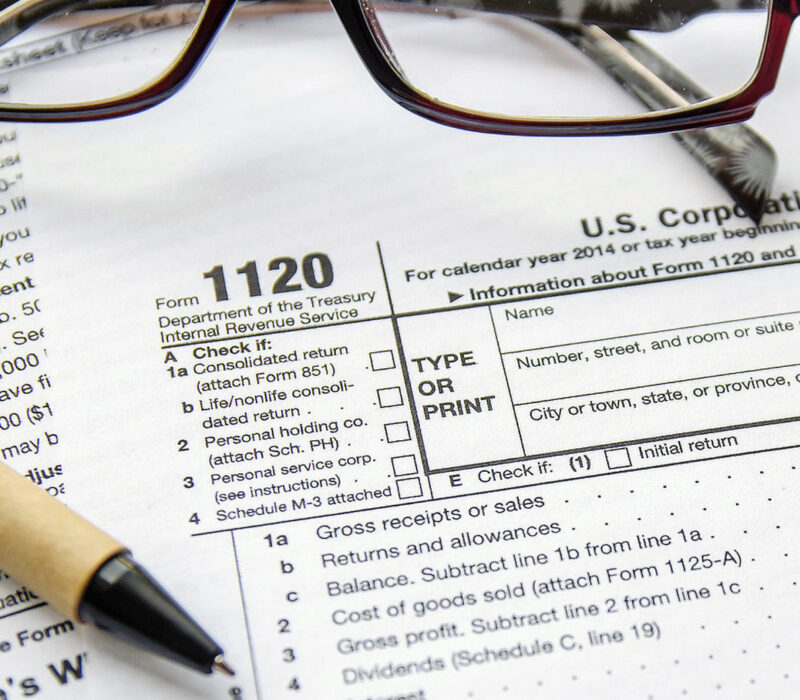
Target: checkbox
column 397, row 432
column 390, row 396
column 404, row 465
column 618, row 458
column 409, row 488
column 382, row 359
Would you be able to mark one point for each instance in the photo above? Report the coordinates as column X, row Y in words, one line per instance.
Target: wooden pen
column 89, row 576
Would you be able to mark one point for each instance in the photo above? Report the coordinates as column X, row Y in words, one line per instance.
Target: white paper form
column 41, row 652
column 472, row 439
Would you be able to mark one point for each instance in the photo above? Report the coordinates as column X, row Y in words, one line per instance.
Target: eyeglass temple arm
column 736, row 156
column 662, row 16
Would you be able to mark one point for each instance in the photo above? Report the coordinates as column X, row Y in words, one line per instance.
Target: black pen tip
column 220, row 665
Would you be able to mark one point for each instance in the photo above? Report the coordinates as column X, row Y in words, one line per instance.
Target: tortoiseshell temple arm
column 661, row 16
column 742, row 162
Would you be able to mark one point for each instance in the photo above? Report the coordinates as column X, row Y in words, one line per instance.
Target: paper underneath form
column 508, row 417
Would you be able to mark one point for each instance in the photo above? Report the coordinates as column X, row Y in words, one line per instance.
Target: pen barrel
column 46, row 546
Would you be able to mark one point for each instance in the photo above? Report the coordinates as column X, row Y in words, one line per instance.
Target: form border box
column 381, row 360
column 390, row 428
column 405, row 486
column 618, row 458
column 384, row 397
column 404, row 465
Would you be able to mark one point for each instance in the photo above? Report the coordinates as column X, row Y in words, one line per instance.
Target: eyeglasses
column 498, row 66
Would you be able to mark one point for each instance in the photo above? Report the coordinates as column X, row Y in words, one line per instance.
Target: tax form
column 398, row 411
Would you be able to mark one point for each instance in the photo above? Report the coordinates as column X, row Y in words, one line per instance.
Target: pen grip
column 46, row 546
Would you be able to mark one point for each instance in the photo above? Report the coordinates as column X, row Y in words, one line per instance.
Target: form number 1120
column 316, row 270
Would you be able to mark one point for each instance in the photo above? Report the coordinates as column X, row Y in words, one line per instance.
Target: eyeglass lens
column 108, row 51
column 498, row 55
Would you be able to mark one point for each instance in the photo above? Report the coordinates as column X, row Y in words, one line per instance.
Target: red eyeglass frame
column 354, row 16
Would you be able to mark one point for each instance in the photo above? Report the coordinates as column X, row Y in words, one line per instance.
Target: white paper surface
column 632, row 449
